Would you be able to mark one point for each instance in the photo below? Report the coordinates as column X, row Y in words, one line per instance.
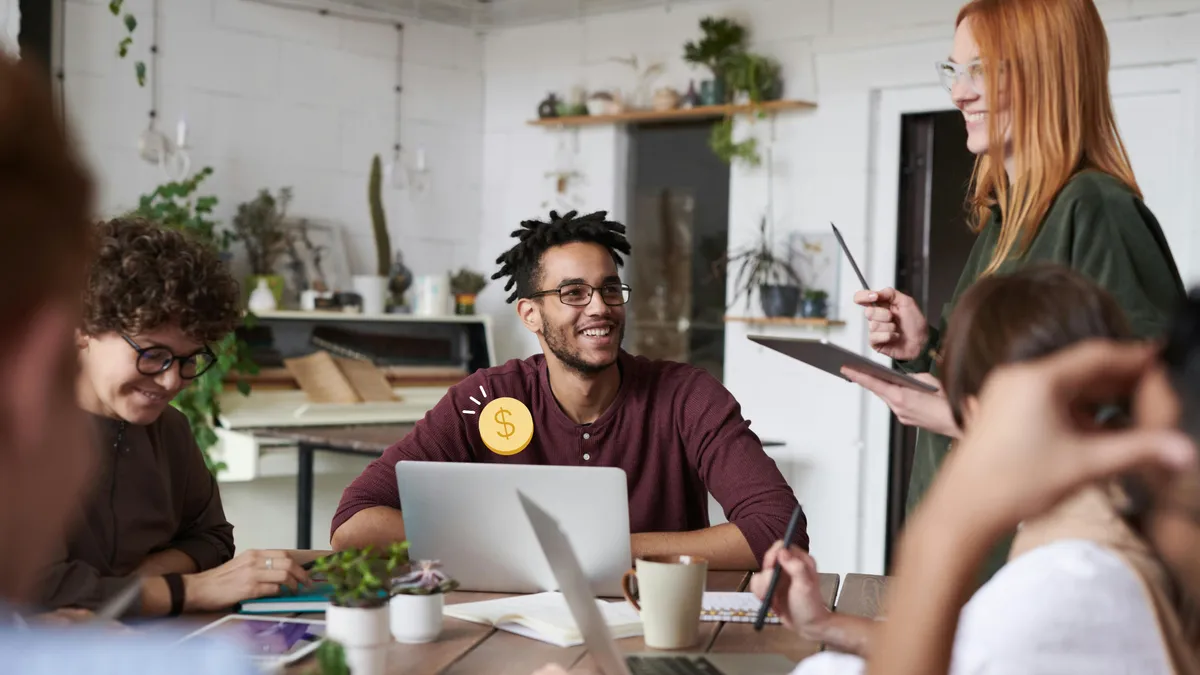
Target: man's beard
column 558, row 341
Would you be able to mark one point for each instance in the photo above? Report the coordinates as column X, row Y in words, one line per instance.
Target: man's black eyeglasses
column 155, row 360
column 578, row 295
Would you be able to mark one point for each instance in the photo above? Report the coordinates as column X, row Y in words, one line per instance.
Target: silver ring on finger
column 270, row 563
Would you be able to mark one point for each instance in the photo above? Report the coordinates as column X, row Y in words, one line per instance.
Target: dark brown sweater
column 151, row 492
column 675, row 431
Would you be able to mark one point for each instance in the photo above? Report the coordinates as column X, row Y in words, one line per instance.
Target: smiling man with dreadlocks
column 674, row 429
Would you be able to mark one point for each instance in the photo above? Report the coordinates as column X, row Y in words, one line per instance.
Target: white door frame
column 888, row 106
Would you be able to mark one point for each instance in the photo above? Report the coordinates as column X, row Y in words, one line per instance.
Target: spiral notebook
column 732, row 607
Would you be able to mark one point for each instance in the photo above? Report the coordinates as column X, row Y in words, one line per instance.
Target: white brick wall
column 276, row 97
column 859, row 59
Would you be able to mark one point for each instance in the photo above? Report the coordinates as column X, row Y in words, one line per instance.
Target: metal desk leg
column 304, row 496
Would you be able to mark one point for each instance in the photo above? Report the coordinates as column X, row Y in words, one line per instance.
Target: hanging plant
column 130, row 22
column 721, row 142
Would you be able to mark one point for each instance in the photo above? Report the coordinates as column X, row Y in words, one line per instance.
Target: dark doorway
column 36, row 31
column 932, row 246
column 678, row 227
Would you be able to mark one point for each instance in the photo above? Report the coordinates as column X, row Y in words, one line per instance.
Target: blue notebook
column 312, row 599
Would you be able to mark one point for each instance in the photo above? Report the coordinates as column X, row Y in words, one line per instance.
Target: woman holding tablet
column 1052, row 183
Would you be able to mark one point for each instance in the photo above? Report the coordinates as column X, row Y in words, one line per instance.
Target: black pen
column 787, row 541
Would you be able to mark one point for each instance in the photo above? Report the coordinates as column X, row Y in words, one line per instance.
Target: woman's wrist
column 193, row 593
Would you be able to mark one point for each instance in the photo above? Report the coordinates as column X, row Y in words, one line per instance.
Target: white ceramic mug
column 670, row 592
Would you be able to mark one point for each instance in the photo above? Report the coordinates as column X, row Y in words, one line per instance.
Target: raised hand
column 897, row 328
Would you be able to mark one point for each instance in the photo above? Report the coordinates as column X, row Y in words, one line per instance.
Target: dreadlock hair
column 522, row 263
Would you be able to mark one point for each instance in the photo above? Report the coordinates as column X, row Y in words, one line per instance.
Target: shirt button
column 586, row 457
column 586, row 436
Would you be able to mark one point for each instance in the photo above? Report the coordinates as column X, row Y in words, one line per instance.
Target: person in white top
column 1072, row 605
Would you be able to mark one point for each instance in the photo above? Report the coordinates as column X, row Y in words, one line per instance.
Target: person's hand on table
column 253, row 574
column 797, row 600
column 914, row 408
column 896, row 327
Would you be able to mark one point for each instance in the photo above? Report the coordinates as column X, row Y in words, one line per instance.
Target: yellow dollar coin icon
column 506, row 426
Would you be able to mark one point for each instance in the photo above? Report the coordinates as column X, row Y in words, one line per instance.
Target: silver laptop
column 467, row 515
column 560, row 553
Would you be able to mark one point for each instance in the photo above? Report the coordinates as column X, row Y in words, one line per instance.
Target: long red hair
column 1051, row 56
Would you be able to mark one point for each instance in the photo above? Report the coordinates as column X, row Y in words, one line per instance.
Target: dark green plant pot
column 713, row 92
column 814, row 308
column 779, row 301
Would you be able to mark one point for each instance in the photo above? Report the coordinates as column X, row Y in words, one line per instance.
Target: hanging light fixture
column 406, row 171
column 154, row 146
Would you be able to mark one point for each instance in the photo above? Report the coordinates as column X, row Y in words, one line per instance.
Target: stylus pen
column 787, row 541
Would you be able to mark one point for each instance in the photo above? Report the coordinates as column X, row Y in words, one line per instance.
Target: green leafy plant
column 362, row 577
column 331, row 658
column 757, row 265
column 467, row 282
column 383, row 244
column 259, row 225
column 721, row 142
column 176, row 205
column 723, row 37
column 816, row 295
column 759, row 77
column 425, row 578
column 130, row 22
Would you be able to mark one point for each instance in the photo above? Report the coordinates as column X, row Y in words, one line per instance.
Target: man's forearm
column 378, row 526
column 843, row 633
column 723, row 546
column 165, row 562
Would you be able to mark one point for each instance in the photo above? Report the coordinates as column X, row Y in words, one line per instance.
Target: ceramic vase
column 416, row 619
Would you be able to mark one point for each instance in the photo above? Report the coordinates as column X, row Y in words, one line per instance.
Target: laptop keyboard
column 670, row 665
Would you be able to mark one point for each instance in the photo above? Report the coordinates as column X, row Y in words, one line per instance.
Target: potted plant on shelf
column 465, row 285
column 815, row 304
column 357, row 616
column 259, row 225
column 760, row 268
column 723, row 37
column 373, row 288
column 417, row 601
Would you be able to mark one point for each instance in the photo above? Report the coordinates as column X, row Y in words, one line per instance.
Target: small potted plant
column 357, row 616
column 771, row 274
column 723, row 38
column 417, row 601
column 259, row 225
column 465, row 285
column 815, row 304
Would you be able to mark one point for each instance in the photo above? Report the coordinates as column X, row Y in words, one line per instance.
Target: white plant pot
column 416, row 618
column 373, row 290
column 358, row 626
column 365, row 635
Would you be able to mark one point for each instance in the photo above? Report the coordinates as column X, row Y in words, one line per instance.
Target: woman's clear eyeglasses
column 578, row 295
column 155, row 360
column 950, row 72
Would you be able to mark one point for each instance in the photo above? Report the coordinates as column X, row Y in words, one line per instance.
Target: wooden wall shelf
column 679, row 114
column 785, row 321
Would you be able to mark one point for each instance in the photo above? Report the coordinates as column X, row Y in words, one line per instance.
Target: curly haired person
column 155, row 300
column 674, row 429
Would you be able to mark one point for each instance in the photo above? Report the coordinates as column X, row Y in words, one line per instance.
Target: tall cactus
column 383, row 245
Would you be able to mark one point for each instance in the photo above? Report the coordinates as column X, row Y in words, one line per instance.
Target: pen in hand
column 787, row 541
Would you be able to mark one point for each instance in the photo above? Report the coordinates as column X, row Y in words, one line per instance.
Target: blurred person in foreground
column 46, row 457
column 1083, row 591
column 1025, row 454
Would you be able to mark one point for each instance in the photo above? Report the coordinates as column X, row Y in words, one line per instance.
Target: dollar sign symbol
column 501, row 418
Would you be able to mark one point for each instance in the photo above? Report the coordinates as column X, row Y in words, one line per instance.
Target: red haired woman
column 1052, row 183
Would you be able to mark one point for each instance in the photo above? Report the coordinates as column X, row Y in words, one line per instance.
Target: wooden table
column 366, row 440
column 465, row 648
